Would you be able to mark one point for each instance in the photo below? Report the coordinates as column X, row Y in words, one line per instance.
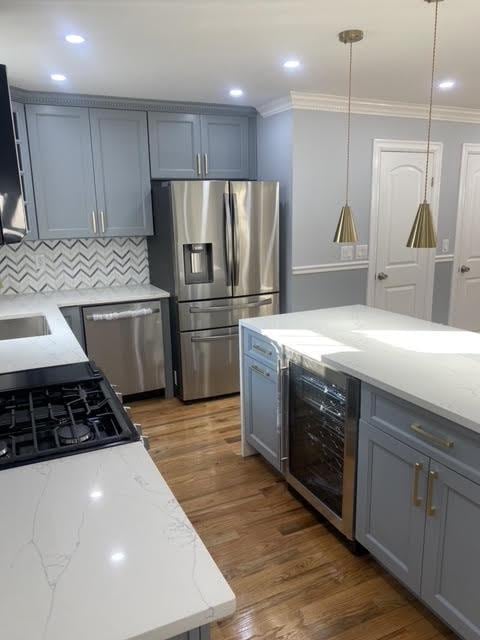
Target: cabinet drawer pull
column 205, row 163
column 446, row 444
column 199, row 164
column 417, row 500
column 259, row 349
column 263, row 373
column 431, row 509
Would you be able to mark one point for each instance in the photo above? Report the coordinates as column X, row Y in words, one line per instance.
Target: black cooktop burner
column 64, row 410
column 74, row 433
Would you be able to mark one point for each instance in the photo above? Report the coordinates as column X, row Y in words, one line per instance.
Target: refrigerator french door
column 215, row 249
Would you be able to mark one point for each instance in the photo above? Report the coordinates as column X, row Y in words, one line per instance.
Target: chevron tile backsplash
column 50, row 265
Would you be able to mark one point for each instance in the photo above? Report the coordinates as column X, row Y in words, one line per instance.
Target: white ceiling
column 199, row 49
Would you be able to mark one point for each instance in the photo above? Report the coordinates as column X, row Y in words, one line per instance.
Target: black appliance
column 59, row 411
column 13, row 220
column 323, row 407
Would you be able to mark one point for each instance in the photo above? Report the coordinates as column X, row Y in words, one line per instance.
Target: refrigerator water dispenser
column 198, row 263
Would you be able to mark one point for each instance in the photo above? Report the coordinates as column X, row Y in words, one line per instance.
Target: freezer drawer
column 208, row 314
column 210, row 363
column 126, row 342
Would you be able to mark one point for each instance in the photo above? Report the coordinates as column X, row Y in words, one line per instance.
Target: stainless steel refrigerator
column 215, row 249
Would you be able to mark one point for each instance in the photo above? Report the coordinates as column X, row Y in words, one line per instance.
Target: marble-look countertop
column 431, row 365
column 95, row 546
column 60, row 346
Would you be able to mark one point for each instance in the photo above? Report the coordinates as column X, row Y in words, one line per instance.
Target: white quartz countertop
column 60, row 346
column 95, row 546
column 431, row 365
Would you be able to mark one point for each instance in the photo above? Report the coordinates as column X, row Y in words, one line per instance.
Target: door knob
column 382, row 276
column 464, row 268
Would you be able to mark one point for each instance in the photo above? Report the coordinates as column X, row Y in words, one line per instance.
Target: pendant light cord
column 431, row 99
column 349, row 117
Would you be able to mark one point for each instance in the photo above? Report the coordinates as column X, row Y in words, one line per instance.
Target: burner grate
column 58, row 420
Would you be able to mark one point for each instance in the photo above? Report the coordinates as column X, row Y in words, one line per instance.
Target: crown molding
column 113, row 102
column 326, row 102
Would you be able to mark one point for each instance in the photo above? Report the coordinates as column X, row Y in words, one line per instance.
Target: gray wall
column 274, row 158
column 316, row 180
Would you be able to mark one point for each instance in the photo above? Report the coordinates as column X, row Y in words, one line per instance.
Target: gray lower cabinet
column 73, row 316
column 260, row 406
column 451, row 567
column 202, row 633
column 418, row 505
column 390, row 515
column 62, row 167
column 122, row 172
column 25, row 170
column 225, row 147
column 175, row 146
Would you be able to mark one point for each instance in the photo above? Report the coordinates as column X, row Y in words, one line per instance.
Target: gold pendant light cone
column 422, row 235
column 346, row 231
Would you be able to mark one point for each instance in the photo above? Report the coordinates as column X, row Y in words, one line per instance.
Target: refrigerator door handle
column 236, row 258
column 228, row 238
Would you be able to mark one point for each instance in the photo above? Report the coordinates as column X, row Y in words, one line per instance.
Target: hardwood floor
column 292, row 577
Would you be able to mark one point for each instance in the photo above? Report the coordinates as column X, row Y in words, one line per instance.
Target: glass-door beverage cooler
column 322, row 440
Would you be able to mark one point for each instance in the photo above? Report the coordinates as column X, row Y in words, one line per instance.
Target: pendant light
column 346, row 231
column 423, row 235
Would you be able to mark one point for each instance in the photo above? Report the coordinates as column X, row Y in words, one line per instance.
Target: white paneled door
column 465, row 302
column 401, row 279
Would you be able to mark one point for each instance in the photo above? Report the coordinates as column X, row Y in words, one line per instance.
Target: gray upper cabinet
column 191, row 146
column 225, row 147
column 122, row 172
column 61, row 153
column 391, row 490
column 175, row 150
column 451, row 571
column 25, row 170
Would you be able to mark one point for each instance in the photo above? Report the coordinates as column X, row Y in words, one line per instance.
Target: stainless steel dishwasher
column 126, row 342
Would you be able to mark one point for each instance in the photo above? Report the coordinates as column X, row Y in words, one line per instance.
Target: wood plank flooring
column 294, row 579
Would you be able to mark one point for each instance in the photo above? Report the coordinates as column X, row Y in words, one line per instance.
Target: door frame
column 379, row 146
column 467, row 149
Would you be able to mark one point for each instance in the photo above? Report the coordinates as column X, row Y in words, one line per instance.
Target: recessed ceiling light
column 446, row 84
column 236, row 93
column 291, row 64
column 118, row 556
column 58, row 77
column 74, row 38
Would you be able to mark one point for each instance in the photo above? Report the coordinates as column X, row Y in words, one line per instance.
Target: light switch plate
column 445, row 245
column 346, row 253
column 361, row 251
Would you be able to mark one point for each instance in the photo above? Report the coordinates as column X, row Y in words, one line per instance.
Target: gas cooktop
column 58, row 411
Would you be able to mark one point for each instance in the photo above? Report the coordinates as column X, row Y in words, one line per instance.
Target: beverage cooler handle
column 236, row 258
column 228, row 238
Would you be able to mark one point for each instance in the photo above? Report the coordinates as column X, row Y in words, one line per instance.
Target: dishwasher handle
column 121, row 315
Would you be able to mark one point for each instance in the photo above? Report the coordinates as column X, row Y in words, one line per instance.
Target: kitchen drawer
column 259, row 347
column 226, row 312
column 445, row 441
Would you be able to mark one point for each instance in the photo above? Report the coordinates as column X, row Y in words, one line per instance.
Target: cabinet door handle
column 199, row 164
column 94, row 222
column 263, row 373
column 205, row 163
column 418, row 429
column 259, row 349
column 431, row 509
column 102, row 221
column 417, row 500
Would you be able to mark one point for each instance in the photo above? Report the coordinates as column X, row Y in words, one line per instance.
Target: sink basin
column 26, row 327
